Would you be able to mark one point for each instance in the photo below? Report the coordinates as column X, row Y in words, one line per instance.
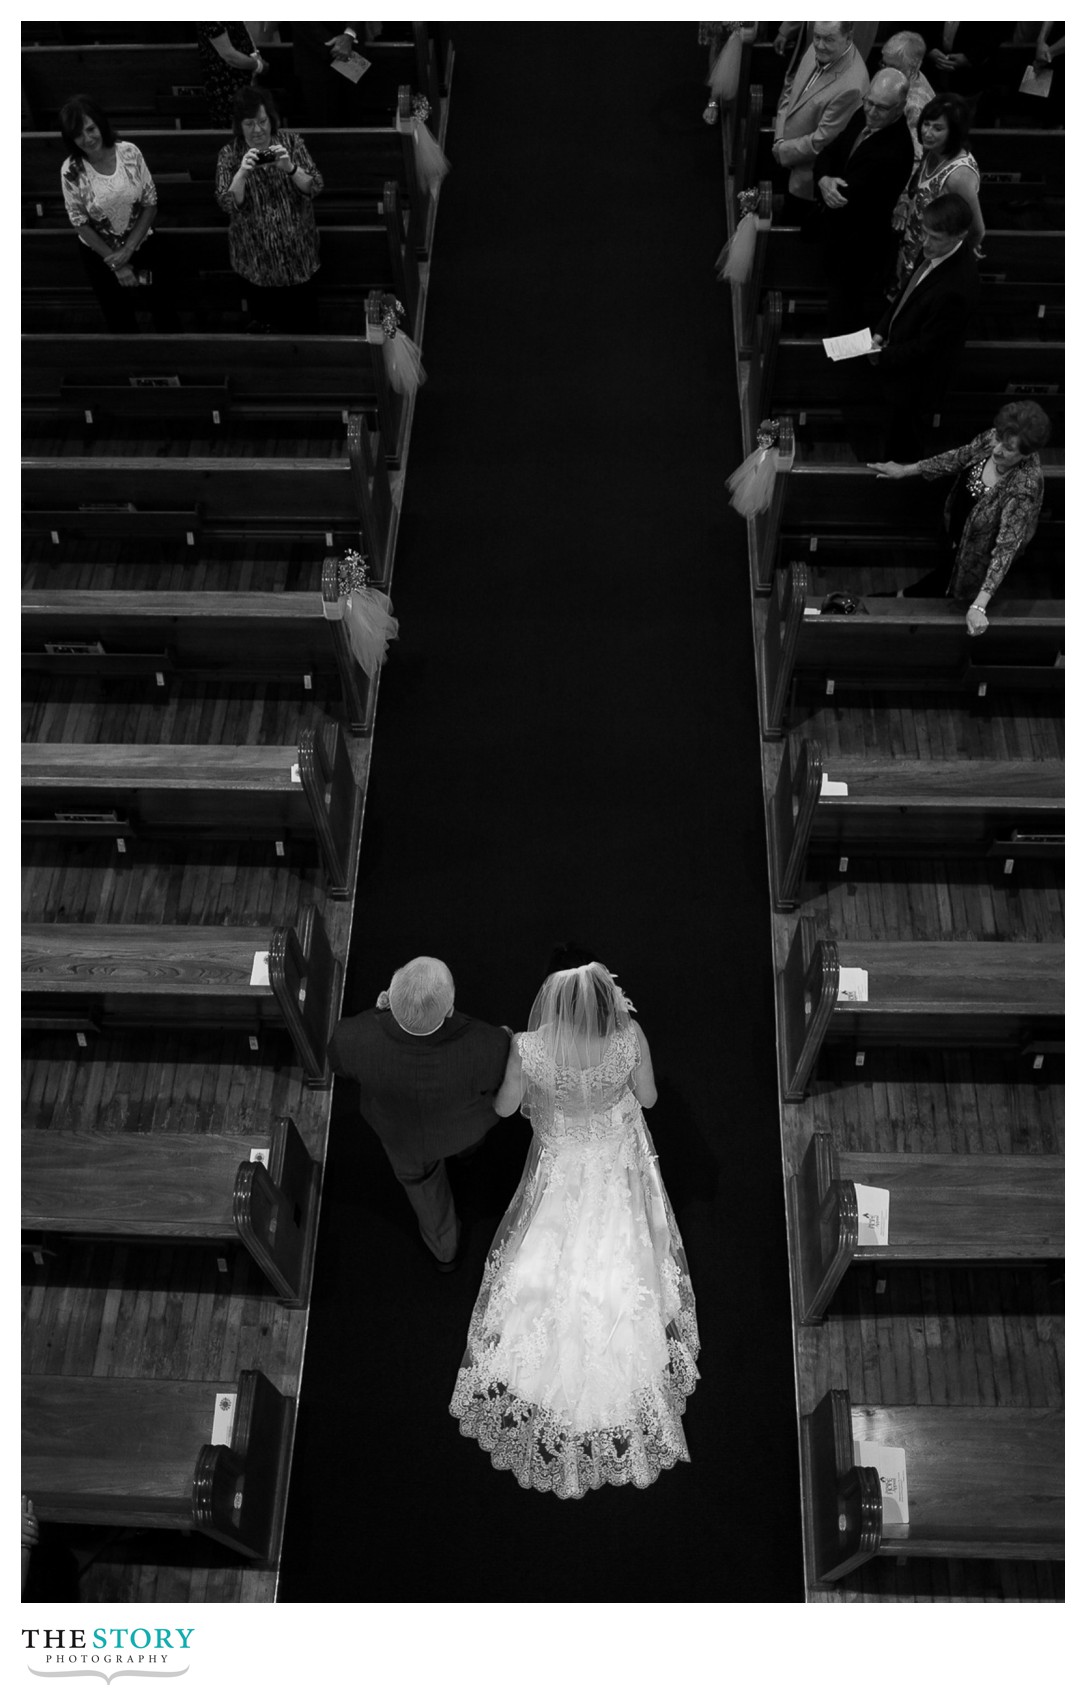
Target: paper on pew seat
column 873, row 1214
column 889, row 1461
column 833, row 787
column 848, row 347
column 810, row 609
column 852, row 985
column 295, row 774
column 222, row 1422
column 260, row 975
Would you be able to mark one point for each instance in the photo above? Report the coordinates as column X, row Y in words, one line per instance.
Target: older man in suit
column 859, row 177
column 427, row 1077
column 815, row 105
column 919, row 340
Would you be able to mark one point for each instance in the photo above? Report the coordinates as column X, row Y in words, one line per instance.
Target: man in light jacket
column 815, row 105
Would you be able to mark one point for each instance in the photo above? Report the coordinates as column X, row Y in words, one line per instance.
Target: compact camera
column 266, row 156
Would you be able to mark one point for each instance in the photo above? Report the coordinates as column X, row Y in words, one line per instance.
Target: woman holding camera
column 265, row 181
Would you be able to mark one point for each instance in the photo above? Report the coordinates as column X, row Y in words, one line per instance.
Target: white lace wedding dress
column 582, row 1346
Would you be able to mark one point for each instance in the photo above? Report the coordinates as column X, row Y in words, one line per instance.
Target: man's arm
column 832, row 120
column 945, row 324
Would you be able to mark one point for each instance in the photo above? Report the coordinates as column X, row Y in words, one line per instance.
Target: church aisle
column 567, row 746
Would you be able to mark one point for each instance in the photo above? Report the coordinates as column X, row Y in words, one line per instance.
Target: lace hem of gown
column 547, row 1454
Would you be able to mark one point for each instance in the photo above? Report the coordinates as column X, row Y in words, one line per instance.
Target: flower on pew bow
column 403, row 358
column 430, row 162
column 367, row 614
column 751, row 484
column 736, row 258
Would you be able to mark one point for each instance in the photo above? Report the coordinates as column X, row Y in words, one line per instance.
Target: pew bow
column 724, row 76
column 403, row 358
column 752, row 483
column 736, row 259
column 367, row 614
column 430, row 161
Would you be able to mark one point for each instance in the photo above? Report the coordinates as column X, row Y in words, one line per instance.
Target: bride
column 583, row 1340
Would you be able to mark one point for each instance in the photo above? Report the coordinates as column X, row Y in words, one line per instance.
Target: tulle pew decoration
column 430, row 163
column 736, row 259
column 723, row 78
column 366, row 613
column 403, row 358
column 751, row 484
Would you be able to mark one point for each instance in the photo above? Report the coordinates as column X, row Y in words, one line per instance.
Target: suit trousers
column 428, row 1188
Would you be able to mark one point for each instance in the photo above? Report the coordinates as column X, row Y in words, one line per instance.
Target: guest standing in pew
column 111, row 199
column 427, row 1076
column 959, row 60
column 816, row 103
column 946, row 167
column 919, row 340
column 265, row 181
column 905, row 52
column 229, row 60
column 992, row 510
column 583, row 1343
column 858, row 178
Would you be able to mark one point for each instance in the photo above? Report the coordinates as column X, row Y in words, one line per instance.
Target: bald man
column 858, row 179
column 427, row 1076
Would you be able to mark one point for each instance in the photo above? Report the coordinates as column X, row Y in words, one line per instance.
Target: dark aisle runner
column 567, row 745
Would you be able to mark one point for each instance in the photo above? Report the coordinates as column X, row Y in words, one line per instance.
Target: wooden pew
column 355, row 165
column 158, row 81
column 355, row 259
column 346, row 499
column 157, row 634
column 900, row 644
column 784, row 261
column 894, row 807
column 944, row 1209
column 819, row 502
column 122, row 791
column 919, row 993
column 92, row 376
column 258, row 1191
column 984, row 1481
column 124, row 1452
column 83, row 978
column 794, row 375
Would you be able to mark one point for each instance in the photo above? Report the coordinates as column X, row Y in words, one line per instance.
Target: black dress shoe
column 450, row 1265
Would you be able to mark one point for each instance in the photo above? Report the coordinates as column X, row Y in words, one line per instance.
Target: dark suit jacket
column 861, row 233
column 925, row 341
column 424, row 1097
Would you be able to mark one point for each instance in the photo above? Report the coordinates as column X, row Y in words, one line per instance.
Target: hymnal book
column 852, row 985
column 873, row 1214
column 848, row 347
column 833, row 787
column 889, row 1461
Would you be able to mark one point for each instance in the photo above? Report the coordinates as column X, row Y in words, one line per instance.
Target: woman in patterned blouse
column 111, row 199
column 266, row 181
column 229, row 60
column 993, row 507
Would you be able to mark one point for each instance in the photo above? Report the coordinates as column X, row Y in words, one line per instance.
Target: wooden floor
column 895, row 1334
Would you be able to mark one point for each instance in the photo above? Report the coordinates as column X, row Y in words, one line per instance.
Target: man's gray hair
column 904, row 51
column 421, row 994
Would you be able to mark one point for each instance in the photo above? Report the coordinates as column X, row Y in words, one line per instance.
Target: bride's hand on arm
column 642, row 1080
column 509, row 1093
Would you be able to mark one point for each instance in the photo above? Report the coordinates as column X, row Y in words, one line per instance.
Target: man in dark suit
column 328, row 97
column 427, row 1078
column 858, row 179
column 919, row 339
